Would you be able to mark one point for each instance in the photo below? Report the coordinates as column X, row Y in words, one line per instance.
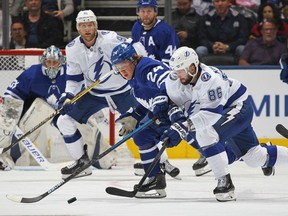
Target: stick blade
column 20, row 199
column 14, row 198
column 119, row 192
column 282, row 130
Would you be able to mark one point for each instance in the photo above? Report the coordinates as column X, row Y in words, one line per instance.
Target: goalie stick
column 36, row 154
column 119, row 192
column 77, row 97
column 282, row 130
column 20, row 199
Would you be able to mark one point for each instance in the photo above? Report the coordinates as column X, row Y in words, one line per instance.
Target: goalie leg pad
column 96, row 144
column 32, row 116
column 10, row 112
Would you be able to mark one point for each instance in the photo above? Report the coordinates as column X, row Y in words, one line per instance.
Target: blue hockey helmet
column 52, row 53
column 147, row 3
column 122, row 52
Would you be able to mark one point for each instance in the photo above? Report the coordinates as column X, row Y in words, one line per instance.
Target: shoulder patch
column 205, row 77
column 103, row 32
column 71, row 43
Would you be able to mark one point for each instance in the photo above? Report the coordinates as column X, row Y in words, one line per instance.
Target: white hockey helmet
column 85, row 16
column 52, row 53
column 182, row 58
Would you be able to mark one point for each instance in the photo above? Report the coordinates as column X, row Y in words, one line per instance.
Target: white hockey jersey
column 89, row 64
column 205, row 102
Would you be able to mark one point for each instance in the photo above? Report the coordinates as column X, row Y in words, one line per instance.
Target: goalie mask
column 182, row 58
column 52, row 60
column 120, row 53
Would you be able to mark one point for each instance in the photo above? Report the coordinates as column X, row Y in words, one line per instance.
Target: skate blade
column 178, row 177
column 225, row 197
column 139, row 172
column 152, row 194
column 202, row 171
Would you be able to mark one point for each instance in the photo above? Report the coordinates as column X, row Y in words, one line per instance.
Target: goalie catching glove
column 129, row 121
column 64, row 103
column 177, row 132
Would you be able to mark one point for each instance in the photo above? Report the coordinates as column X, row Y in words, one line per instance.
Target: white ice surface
column 257, row 195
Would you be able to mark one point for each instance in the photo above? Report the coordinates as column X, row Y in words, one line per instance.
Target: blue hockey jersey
column 33, row 83
column 160, row 42
column 148, row 81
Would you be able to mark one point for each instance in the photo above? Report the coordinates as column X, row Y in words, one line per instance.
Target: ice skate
column 154, row 187
column 225, row 189
column 170, row 169
column 166, row 166
column 267, row 171
column 201, row 166
column 68, row 170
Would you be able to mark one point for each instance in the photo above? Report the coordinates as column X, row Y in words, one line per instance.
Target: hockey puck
column 72, row 200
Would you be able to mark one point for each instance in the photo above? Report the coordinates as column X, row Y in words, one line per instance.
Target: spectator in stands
column 222, row 31
column 265, row 50
column 43, row 30
column 185, row 21
column 269, row 10
column 18, row 35
column 63, row 10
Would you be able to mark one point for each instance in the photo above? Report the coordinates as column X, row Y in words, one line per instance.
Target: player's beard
column 89, row 37
column 187, row 80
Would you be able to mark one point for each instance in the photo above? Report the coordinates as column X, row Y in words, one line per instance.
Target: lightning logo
column 230, row 116
column 98, row 69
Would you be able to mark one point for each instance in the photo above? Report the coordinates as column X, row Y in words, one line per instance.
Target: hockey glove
column 176, row 114
column 129, row 121
column 175, row 134
column 64, row 103
column 160, row 107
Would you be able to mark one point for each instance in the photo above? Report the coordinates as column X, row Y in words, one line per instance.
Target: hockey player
column 88, row 59
column 45, row 81
column 160, row 41
column 39, row 89
column 158, row 37
column 147, row 78
column 220, row 112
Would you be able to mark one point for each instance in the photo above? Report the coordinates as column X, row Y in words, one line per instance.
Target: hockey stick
column 20, row 199
column 120, row 192
column 77, row 97
column 282, row 130
column 36, row 154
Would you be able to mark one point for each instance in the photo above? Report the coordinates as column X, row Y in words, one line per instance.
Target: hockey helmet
column 85, row 16
column 122, row 52
column 147, row 3
column 182, row 58
column 54, row 54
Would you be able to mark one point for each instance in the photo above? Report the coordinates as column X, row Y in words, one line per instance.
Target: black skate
column 170, row 169
column 68, row 170
column 154, row 187
column 201, row 166
column 267, row 171
column 225, row 189
column 166, row 166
